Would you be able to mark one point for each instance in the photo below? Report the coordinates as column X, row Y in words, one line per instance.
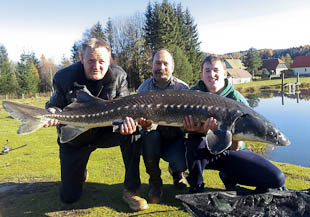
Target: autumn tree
column 46, row 72
column 128, row 47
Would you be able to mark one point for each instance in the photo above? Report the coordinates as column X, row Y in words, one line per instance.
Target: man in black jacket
column 95, row 75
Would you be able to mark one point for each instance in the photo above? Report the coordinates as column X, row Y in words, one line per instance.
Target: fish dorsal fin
column 69, row 133
column 218, row 141
column 83, row 96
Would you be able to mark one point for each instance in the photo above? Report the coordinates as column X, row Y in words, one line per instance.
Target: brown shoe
column 155, row 193
column 135, row 202
column 179, row 180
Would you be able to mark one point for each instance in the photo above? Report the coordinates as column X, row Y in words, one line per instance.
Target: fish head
column 257, row 128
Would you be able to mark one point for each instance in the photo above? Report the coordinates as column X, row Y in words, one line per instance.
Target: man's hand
column 236, row 145
column 145, row 124
column 196, row 126
column 51, row 122
column 129, row 126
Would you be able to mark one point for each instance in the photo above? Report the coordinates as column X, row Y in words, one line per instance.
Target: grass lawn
column 33, row 174
column 275, row 84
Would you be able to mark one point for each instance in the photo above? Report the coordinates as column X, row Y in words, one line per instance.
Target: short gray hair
column 94, row 43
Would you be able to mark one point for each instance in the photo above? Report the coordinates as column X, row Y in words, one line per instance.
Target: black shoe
column 229, row 183
column 197, row 189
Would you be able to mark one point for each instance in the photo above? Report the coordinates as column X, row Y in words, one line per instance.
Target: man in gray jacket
column 164, row 142
column 96, row 75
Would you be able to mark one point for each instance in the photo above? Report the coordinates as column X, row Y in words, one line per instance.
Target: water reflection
column 290, row 113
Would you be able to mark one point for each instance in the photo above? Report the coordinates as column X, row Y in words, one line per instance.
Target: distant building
column 236, row 72
column 238, row 76
column 234, row 64
column 274, row 66
column 301, row 64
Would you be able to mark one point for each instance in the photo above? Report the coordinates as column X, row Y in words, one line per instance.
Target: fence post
column 6, row 97
column 23, row 96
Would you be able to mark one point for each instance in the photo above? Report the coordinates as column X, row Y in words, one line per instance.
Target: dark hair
column 211, row 59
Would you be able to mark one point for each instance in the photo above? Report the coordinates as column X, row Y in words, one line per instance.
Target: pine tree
column 7, row 77
column 161, row 26
column 110, row 35
column 27, row 74
column 182, row 67
column 192, row 44
column 97, row 31
column 75, row 57
column 168, row 26
column 252, row 61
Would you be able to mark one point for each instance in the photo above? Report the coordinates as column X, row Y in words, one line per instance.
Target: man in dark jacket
column 236, row 165
column 95, row 75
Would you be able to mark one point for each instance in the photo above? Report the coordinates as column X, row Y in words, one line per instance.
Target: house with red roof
column 274, row 66
column 301, row 65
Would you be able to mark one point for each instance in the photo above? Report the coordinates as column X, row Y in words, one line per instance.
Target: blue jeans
column 154, row 146
column 243, row 166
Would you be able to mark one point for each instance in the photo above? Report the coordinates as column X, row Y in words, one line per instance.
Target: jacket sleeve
column 58, row 99
column 122, row 89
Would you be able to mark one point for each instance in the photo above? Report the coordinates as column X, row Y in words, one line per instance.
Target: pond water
column 291, row 114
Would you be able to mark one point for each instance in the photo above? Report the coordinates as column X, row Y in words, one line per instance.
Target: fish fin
column 84, row 96
column 31, row 118
column 218, row 141
column 69, row 133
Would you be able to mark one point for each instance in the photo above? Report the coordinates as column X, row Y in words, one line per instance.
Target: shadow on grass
column 42, row 199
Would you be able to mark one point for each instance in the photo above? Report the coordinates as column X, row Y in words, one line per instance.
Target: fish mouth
column 282, row 140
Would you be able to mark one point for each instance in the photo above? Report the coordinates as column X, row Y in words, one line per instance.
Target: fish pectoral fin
column 69, row 133
column 218, row 141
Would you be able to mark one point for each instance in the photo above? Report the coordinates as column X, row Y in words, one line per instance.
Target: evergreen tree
column 27, row 74
column 182, row 67
column 75, row 57
column 252, row 61
column 161, row 27
column 65, row 62
column 96, row 31
column 168, row 26
column 192, row 45
column 110, row 35
column 7, row 78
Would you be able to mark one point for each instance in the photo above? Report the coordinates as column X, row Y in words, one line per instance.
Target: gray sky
column 51, row 27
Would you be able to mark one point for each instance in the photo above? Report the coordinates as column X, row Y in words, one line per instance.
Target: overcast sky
column 50, row 27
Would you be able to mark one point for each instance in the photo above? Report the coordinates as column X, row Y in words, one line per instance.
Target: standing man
column 96, row 75
column 236, row 165
column 164, row 142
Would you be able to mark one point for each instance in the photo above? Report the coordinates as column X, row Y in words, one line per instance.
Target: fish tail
column 31, row 118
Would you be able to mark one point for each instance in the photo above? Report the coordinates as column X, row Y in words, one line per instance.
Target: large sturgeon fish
column 168, row 108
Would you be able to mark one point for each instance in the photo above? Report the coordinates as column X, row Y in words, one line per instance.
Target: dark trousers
column 243, row 166
column 154, row 146
column 75, row 154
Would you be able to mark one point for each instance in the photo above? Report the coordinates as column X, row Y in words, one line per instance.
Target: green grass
column 35, row 172
column 270, row 84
